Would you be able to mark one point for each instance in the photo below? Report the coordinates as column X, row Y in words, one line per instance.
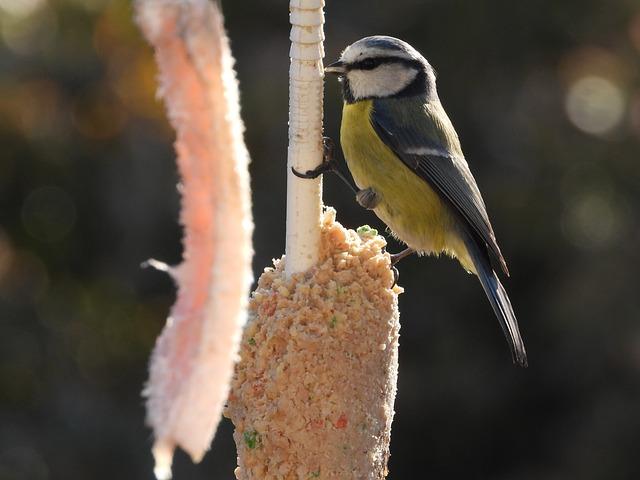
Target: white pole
column 304, row 197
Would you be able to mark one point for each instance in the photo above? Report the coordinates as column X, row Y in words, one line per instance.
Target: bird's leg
column 396, row 257
column 329, row 164
column 368, row 198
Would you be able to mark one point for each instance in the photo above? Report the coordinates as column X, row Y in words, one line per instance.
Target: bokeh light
column 27, row 26
column 21, row 8
column 595, row 105
column 597, row 83
column 37, row 108
column 593, row 220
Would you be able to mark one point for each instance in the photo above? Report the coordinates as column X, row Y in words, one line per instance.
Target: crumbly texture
column 313, row 393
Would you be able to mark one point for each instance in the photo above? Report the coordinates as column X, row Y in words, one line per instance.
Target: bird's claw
column 329, row 163
column 396, row 276
column 328, row 149
column 324, row 167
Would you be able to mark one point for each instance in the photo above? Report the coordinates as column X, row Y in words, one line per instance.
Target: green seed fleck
column 315, row 474
column 251, row 439
column 367, row 231
column 333, row 322
column 252, row 342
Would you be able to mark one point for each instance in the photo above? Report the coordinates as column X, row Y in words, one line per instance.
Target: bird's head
column 381, row 67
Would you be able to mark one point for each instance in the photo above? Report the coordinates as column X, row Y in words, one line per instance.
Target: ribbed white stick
column 304, row 197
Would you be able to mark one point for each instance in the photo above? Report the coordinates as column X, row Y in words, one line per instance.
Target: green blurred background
column 546, row 98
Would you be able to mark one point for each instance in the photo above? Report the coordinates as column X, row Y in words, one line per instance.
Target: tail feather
column 500, row 303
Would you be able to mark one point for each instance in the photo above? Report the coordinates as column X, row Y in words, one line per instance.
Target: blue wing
column 422, row 137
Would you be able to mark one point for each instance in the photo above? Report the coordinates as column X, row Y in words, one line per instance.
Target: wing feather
column 424, row 140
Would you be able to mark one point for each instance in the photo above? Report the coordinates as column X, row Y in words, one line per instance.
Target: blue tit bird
column 406, row 159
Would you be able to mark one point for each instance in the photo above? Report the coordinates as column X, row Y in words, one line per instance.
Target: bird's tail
column 499, row 302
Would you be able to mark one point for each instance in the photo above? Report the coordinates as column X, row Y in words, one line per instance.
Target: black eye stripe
column 371, row 63
column 368, row 64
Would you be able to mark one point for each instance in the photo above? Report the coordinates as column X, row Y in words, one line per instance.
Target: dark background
column 546, row 98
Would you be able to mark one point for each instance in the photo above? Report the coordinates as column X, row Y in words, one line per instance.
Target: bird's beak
column 336, row 67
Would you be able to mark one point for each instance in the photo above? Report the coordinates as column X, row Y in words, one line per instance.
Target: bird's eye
column 368, row 64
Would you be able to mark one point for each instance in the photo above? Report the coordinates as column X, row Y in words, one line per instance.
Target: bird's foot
column 368, row 198
column 329, row 162
column 395, row 258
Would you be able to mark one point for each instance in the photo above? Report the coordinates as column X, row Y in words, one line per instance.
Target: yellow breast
column 409, row 206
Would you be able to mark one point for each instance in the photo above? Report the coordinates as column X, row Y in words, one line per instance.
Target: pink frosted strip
column 193, row 359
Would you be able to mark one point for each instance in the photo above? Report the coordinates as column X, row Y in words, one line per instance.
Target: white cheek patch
column 383, row 81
